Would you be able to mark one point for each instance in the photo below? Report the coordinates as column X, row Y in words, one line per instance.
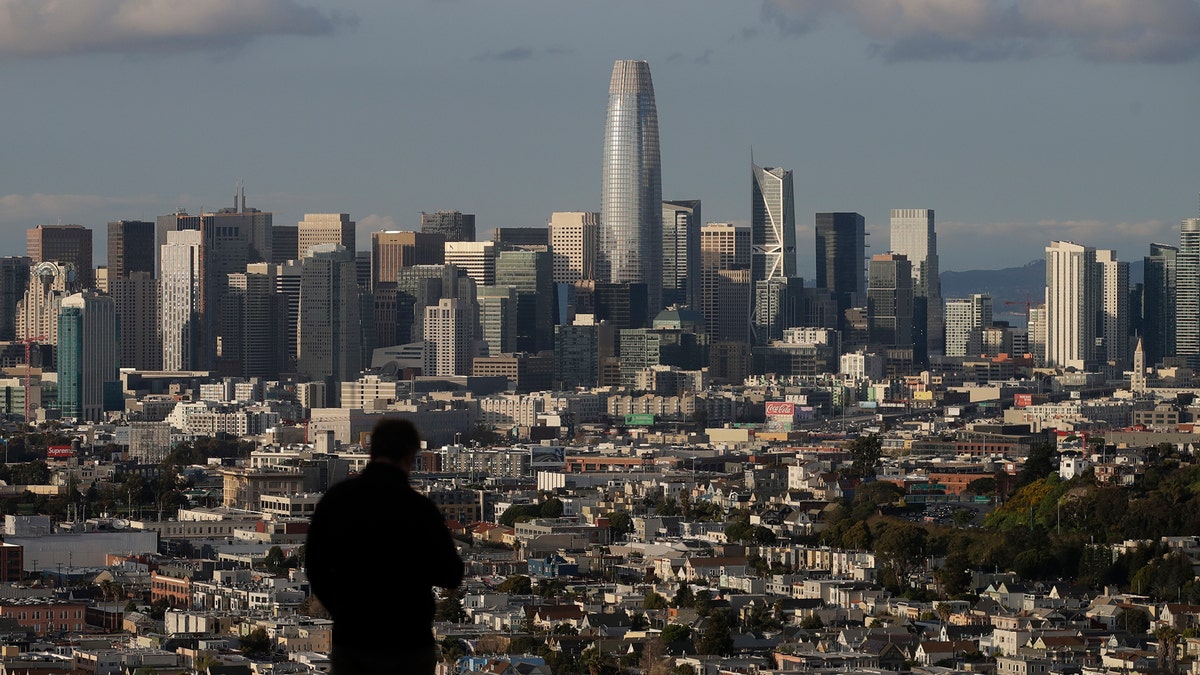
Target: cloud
column 47, row 28
column 522, row 53
column 376, row 223
column 992, row 245
column 41, row 209
column 1097, row 30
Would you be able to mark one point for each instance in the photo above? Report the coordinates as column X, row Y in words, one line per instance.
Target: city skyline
column 978, row 125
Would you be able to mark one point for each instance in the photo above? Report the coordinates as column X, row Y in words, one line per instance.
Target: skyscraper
column 913, row 236
column 130, row 248
column 772, row 224
column 453, row 225
column 573, row 240
column 1072, row 303
column 394, row 249
column 631, row 188
column 725, row 282
column 14, row 279
column 890, row 301
column 476, row 258
column 1113, row 321
column 449, row 334
column 136, row 297
column 681, row 253
column 841, row 248
column 71, row 244
column 330, row 333
column 87, row 355
column 531, row 275
column 966, row 319
column 1187, row 293
column 325, row 228
column 1158, row 307
column 180, row 302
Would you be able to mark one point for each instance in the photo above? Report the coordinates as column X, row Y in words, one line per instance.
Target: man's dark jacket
column 375, row 550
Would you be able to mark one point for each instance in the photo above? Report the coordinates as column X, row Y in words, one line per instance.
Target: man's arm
column 320, row 558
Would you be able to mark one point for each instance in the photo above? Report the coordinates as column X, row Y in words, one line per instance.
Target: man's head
column 395, row 440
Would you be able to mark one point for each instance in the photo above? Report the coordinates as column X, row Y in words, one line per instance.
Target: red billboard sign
column 1023, row 400
column 59, row 451
column 781, row 408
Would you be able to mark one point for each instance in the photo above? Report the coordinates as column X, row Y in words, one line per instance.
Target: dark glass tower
column 841, row 252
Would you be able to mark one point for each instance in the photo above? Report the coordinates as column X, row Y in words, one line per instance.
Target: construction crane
column 1028, row 303
column 29, row 342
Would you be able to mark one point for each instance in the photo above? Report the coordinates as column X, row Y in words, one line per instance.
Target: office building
column 285, row 243
column 576, row 355
column 449, row 334
column 453, row 225
column 261, row 311
column 38, row 310
column 890, row 301
column 522, row 237
column 68, row 244
column 136, row 301
column 631, row 185
column 841, row 250
column 330, row 333
column 392, row 250
column 497, row 319
column 476, row 258
column 913, row 236
column 287, row 286
column 1113, row 322
column 574, row 238
column 725, row 281
column 531, row 275
column 966, row 320
column 87, row 357
column 1187, row 293
column 325, row 228
column 1158, row 306
column 180, row 305
column 1072, row 305
column 130, row 248
column 777, row 306
column 772, row 224
column 14, row 281
column 682, row 221
column 421, row 286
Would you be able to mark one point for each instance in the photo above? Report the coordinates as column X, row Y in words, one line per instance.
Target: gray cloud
column 523, row 53
column 1097, row 30
column 47, row 28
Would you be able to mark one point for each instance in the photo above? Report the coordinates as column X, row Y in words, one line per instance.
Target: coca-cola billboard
column 786, row 408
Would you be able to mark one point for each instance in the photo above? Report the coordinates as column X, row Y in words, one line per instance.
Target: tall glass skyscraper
column 631, row 191
column 1187, row 293
column 913, row 236
column 772, row 224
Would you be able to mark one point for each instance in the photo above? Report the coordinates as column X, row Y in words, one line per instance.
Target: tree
column 551, row 508
column 653, row 600
column 256, row 642
column 865, row 452
column 516, row 585
column 519, row 512
column 619, row 524
column 1133, row 620
column 683, row 596
column 450, row 607
column 900, row 548
column 676, row 632
column 982, row 486
column 717, row 637
column 273, row 561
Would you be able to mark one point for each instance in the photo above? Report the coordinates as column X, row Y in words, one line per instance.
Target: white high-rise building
column 477, row 258
column 966, row 319
column 449, row 337
column 1114, row 309
column 574, row 237
column 325, row 228
column 180, row 294
column 1187, row 293
column 1072, row 302
column 913, row 236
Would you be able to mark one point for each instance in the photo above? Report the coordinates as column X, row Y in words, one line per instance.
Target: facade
column 136, row 297
column 1113, row 322
column 576, row 356
column 1187, row 293
column 14, row 280
column 261, row 316
column 179, row 300
column 682, row 221
column 420, row 286
column 913, row 236
column 531, row 275
column 522, row 237
column 1158, row 304
column 87, row 355
column 325, row 228
column 966, row 320
column 1072, row 303
column 71, row 244
column 497, row 319
column 772, row 224
column 890, row 301
column 130, row 248
column 330, row 333
column 574, row 239
column 392, row 250
column 476, row 258
column 724, row 255
column 285, row 242
column 453, row 225
column 841, row 249
column 37, row 312
column 631, row 189
column 449, row 330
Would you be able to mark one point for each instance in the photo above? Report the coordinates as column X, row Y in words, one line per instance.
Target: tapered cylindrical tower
column 631, row 194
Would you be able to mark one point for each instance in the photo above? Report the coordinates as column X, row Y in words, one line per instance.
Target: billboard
column 639, row 420
column 59, row 451
column 1022, row 400
column 547, row 456
column 786, row 408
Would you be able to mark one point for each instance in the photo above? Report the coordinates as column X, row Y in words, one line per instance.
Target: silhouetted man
column 376, row 548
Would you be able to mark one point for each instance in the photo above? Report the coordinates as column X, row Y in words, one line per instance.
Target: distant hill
column 1010, row 287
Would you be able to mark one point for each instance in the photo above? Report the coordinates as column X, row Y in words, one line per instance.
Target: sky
column 1018, row 121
